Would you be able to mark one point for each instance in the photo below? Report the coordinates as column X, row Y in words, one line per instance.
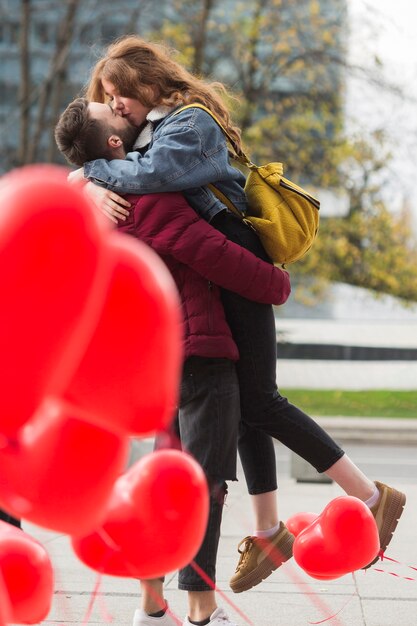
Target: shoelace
column 248, row 541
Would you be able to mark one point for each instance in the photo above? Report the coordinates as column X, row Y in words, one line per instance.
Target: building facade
column 47, row 48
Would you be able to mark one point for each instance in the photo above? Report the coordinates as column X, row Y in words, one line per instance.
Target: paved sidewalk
column 287, row 598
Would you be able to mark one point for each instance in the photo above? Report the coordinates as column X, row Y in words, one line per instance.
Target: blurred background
column 329, row 88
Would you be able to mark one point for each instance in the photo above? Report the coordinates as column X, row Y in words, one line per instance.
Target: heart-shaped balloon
column 52, row 282
column 129, row 376
column 342, row 539
column 27, row 574
column 297, row 522
column 60, row 471
column 156, row 519
column 5, row 608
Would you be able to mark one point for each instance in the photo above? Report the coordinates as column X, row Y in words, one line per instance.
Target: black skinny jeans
column 264, row 412
column 207, row 427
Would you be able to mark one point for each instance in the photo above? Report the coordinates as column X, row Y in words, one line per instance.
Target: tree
column 371, row 246
column 53, row 82
column 284, row 60
column 286, row 63
column 44, row 39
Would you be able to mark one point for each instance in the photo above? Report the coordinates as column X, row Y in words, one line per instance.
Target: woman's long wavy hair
column 147, row 72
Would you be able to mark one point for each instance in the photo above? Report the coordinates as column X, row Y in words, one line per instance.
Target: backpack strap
column 238, row 154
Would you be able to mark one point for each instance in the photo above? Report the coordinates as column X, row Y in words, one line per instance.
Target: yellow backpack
column 285, row 216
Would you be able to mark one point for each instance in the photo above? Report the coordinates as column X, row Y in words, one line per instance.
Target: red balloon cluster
column 53, row 284
column 90, row 355
column 342, row 539
column 26, row 575
column 59, row 471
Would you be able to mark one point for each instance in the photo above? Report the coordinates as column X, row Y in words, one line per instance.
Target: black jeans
column 265, row 413
column 207, row 427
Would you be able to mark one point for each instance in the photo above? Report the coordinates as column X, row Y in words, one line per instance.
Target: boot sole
column 390, row 523
column 264, row 569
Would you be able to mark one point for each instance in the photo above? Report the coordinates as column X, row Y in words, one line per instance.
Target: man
column 199, row 258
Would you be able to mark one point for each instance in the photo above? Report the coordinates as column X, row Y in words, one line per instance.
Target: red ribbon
column 387, row 558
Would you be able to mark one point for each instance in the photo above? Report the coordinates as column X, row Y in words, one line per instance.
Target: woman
column 187, row 152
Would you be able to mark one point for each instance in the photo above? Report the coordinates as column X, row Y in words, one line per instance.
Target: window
column 87, row 34
column 110, row 31
column 9, row 33
column 44, row 33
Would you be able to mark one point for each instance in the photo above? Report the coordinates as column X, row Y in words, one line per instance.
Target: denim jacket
column 187, row 151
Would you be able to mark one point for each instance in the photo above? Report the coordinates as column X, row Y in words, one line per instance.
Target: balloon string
column 376, row 569
column 108, row 541
column 276, row 556
column 213, row 586
column 63, row 605
column 387, row 558
column 104, row 613
column 326, row 619
column 92, row 600
column 393, row 574
column 304, row 588
column 308, row 591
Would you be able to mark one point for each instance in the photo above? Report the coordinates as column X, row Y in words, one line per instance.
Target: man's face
column 119, row 125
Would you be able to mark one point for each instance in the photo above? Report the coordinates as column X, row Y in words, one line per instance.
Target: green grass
column 375, row 403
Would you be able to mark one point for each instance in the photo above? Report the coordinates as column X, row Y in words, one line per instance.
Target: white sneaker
column 143, row 619
column 218, row 618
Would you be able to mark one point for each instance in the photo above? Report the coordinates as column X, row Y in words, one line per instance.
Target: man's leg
column 154, row 609
column 208, row 418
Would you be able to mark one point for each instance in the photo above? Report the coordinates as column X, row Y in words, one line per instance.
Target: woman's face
column 130, row 108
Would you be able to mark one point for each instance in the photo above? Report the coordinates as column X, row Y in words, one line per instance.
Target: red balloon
column 99, row 552
column 129, row 376
column 5, row 608
column 297, row 522
column 156, row 519
column 342, row 539
column 60, row 471
column 53, row 280
column 27, row 574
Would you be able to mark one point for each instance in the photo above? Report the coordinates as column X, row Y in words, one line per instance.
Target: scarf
column 145, row 136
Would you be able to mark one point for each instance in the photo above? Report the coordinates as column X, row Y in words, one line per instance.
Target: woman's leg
column 351, row 479
column 257, row 455
column 263, row 407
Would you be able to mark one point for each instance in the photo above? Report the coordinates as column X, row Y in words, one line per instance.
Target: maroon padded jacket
column 201, row 259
